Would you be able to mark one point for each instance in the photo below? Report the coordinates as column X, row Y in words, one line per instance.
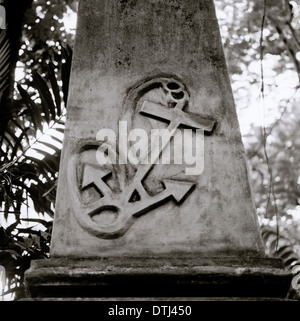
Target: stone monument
column 153, row 195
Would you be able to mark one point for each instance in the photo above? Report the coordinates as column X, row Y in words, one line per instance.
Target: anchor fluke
column 178, row 189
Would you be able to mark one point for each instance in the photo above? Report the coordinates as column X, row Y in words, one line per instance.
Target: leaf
column 25, row 170
column 289, row 255
column 66, row 71
column 56, row 139
column 40, row 165
column 22, row 128
column 61, row 130
column 45, row 95
column 12, row 227
column 13, row 253
column 46, row 235
column 60, row 122
column 36, row 220
column 2, row 278
column 8, row 139
column 32, row 108
column 56, row 149
column 296, row 268
column 55, row 88
column 18, row 145
column 274, row 245
column 266, row 234
column 290, row 261
column 40, row 151
column 53, row 187
column 4, row 61
column 52, row 163
column 4, row 238
column 282, row 250
column 6, row 210
column 7, row 260
column 27, row 240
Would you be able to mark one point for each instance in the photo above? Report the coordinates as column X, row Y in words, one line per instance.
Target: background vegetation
column 262, row 45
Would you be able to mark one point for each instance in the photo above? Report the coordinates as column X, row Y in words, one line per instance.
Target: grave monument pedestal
column 159, row 278
column 128, row 224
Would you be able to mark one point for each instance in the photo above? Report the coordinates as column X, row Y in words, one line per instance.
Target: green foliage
column 31, row 129
column 241, row 23
column 43, row 33
column 17, row 251
column 262, row 48
column 283, row 148
column 26, row 179
column 22, row 175
column 285, row 249
column 4, row 63
column 277, row 196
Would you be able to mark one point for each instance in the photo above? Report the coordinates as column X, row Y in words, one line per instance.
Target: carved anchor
column 119, row 204
column 176, row 117
column 127, row 212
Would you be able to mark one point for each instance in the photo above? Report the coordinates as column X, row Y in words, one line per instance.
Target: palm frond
column 4, row 61
column 55, row 87
column 32, row 144
column 66, row 70
column 45, row 95
column 281, row 248
column 32, row 108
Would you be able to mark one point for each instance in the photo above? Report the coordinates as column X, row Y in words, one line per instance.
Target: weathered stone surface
column 127, row 53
